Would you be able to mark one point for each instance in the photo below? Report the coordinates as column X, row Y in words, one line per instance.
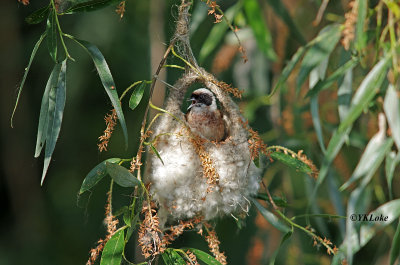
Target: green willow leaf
column 121, row 175
column 52, row 32
column 291, row 162
column 260, row 29
column 271, row 218
column 366, row 92
column 391, row 106
column 368, row 230
column 316, row 75
column 37, row 45
column 107, row 80
column 281, row 10
column 335, row 76
column 314, row 109
column 113, row 250
column 57, row 97
column 358, row 238
column 217, row 33
column 90, row 6
column 395, row 249
column 156, row 153
column 370, row 160
column 96, row 174
column 361, row 33
column 171, row 257
column 392, row 160
column 203, row 256
column 283, row 240
column 44, row 110
column 328, row 37
column 137, row 96
column 38, row 16
column 288, row 70
column 280, row 202
column 334, row 146
column 344, row 94
column 361, row 99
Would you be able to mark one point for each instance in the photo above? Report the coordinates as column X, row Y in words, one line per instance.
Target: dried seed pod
column 197, row 177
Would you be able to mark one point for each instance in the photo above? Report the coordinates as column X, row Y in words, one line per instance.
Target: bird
column 204, row 117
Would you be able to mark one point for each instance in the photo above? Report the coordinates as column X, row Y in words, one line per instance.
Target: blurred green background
column 51, row 225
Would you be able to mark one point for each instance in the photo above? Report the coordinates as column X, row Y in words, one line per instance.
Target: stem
column 60, row 32
column 132, row 86
column 167, row 112
column 313, row 235
column 318, row 215
column 110, row 196
column 174, row 66
column 185, row 61
column 153, row 83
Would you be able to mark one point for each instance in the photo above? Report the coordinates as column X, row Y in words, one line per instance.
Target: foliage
column 352, row 67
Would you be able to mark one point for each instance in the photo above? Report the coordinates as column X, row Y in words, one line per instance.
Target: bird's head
column 202, row 100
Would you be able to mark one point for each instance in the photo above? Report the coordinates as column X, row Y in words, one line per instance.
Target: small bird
column 203, row 116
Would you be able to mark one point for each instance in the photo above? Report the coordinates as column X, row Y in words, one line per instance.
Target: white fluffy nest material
column 178, row 185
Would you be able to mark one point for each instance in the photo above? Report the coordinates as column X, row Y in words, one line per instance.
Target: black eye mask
column 202, row 98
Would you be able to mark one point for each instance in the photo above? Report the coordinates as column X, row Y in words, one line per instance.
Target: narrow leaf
column 171, row 257
column 288, row 70
column 366, row 92
column 121, row 175
column 38, row 16
column 96, row 174
column 107, row 80
column 395, row 249
column 26, row 73
column 334, row 146
column 344, row 94
column 271, row 218
column 44, row 110
column 259, row 27
column 283, row 240
column 392, row 160
column 205, row 257
column 319, row 51
column 291, row 162
column 113, row 250
column 361, row 33
column 90, row 6
column 217, row 33
column 368, row 229
column 56, row 110
column 51, row 31
column 316, row 75
column 280, row 202
column 372, row 157
column 137, row 95
column 281, row 10
column 335, row 76
column 314, row 109
column 156, row 153
column 391, row 106
column 166, row 258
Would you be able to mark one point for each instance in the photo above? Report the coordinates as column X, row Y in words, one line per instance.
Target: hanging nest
column 194, row 177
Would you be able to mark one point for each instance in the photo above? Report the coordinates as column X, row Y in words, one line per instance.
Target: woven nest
column 196, row 177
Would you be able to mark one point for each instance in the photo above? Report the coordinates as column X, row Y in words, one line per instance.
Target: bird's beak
column 193, row 102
